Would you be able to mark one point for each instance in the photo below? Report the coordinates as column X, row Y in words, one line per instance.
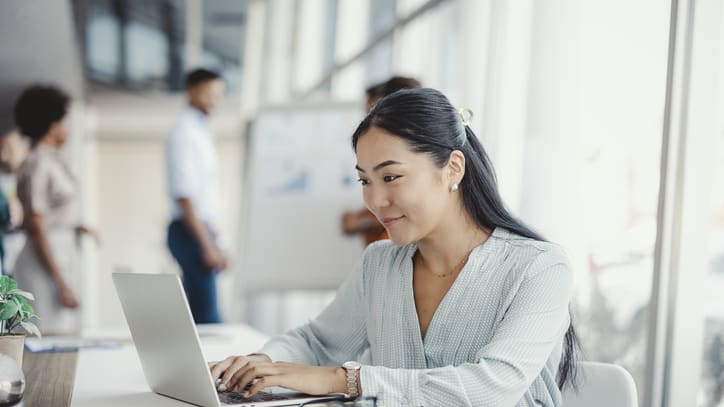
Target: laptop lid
column 165, row 337
column 169, row 348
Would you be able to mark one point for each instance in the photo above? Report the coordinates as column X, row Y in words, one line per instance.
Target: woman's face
column 59, row 132
column 63, row 130
column 405, row 190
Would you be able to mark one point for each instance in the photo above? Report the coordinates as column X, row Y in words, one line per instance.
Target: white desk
column 114, row 377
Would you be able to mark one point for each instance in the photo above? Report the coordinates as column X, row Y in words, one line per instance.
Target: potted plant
column 15, row 312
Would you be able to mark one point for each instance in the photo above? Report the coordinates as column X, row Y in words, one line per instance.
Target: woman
column 464, row 306
column 48, row 265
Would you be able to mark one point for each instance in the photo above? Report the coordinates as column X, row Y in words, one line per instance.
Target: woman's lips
column 387, row 222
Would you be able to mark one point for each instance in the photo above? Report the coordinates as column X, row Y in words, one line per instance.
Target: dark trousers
column 199, row 281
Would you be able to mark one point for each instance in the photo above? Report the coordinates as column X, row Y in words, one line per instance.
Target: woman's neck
column 47, row 142
column 451, row 242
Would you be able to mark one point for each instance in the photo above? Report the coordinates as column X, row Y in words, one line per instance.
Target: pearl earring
column 454, row 187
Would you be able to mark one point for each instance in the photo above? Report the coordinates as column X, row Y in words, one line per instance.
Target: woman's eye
column 363, row 181
column 390, row 178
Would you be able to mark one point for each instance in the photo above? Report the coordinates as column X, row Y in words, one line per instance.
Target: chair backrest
column 602, row 385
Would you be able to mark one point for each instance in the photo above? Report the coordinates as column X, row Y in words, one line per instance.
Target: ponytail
column 480, row 193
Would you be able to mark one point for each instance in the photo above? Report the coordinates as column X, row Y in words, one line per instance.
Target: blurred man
column 363, row 222
column 192, row 171
column 376, row 92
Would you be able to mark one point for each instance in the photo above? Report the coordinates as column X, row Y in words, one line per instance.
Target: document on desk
column 66, row 344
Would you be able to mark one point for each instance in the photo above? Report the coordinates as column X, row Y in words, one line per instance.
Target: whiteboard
column 300, row 179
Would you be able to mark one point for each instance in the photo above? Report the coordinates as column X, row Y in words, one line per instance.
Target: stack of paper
column 66, row 344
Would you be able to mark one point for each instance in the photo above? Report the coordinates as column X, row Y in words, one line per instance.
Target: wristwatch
column 352, row 369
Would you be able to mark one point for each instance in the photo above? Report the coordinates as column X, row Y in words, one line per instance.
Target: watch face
column 351, row 365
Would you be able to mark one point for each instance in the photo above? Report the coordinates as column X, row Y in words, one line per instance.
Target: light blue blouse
column 495, row 339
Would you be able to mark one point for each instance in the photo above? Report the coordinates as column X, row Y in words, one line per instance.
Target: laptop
column 168, row 346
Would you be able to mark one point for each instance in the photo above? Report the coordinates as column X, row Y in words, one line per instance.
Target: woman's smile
column 389, row 221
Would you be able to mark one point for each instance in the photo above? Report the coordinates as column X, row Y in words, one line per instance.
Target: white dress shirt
column 192, row 166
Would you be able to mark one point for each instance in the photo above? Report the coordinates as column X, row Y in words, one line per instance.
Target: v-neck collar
column 478, row 260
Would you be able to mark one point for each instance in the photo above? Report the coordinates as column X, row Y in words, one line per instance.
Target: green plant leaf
column 8, row 310
column 31, row 328
column 22, row 294
column 27, row 308
column 17, row 302
column 6, row 284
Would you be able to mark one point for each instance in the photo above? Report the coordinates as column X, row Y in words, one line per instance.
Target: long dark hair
column 428, row 122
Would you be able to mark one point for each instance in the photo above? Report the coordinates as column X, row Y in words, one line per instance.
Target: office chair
column 602, row 385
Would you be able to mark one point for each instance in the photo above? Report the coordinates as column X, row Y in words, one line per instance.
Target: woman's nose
column 376, row 198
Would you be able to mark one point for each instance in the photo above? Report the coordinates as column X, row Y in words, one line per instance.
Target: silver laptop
column 168, row 345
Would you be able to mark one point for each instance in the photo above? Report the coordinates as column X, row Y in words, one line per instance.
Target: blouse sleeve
column 34, row 189
column 531, row 329
column 336, row 335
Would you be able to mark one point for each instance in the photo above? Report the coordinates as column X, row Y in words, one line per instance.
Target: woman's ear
column 456, row 166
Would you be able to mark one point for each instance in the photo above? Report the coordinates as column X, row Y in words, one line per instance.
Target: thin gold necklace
column 458, row 266
column 455, row 269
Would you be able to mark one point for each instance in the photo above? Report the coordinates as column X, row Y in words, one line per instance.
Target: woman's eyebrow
column 380, row 165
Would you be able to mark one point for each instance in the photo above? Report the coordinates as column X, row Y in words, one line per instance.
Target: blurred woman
column 48, row 265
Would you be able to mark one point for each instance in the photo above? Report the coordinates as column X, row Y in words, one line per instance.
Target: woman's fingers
column 263, row 383
column 217, row 368
column 237, row 365
column 242, row 378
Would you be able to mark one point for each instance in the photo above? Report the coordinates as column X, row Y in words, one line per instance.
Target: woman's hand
column 226, row 368
column 237, row 372
column 67, row 297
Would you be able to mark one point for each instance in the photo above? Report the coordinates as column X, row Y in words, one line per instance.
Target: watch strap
column 352, row 378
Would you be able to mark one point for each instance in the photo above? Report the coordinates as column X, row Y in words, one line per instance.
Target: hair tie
column 466, row 115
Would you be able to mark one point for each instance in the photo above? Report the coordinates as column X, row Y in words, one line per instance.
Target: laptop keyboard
column 231, row 397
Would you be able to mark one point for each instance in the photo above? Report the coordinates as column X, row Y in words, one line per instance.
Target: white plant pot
column 13, row 346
